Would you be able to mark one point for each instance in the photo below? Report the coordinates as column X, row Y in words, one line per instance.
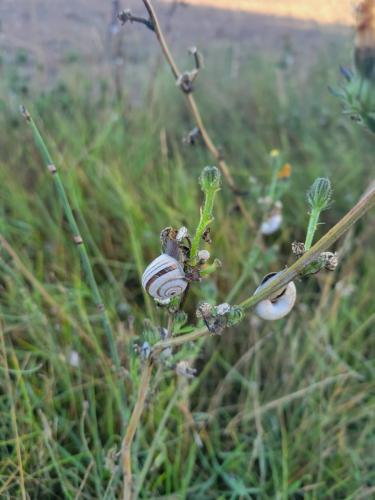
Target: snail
column 273, row 221
column 164, row 278
column 279, row 304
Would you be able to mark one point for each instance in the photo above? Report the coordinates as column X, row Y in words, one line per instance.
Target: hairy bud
column 210, row 178
column 319, row 195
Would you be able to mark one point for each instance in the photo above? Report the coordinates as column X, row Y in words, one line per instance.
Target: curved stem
column 215, row 152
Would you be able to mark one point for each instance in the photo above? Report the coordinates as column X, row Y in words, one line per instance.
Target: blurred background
column 56, row 34
column 276, row 410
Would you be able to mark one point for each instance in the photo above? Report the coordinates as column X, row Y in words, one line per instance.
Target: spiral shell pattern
column 278, row 305
column 164, row 278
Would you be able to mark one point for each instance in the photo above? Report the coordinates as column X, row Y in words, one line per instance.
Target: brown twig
column 132, row 428
column 215, row 152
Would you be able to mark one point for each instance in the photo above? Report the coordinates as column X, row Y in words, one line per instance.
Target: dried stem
column 215, row 152
column 358, row 211
column 131, row 430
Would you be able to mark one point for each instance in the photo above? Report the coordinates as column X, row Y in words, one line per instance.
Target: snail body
column 164, row 278
column 278, row 305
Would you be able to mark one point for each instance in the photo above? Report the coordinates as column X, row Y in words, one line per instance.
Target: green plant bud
column 181, row 318
column 319, row 195
column 210, row 178
column 235, row 315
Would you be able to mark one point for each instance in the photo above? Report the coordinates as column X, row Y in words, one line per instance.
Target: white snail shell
column 273, row 221
column 164, row 278
column 278, row 305
column 272, row 224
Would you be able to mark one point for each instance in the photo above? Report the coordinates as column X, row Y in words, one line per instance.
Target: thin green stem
column 96, row 295
column 204, row 222
column 312, row 227
column 276, row 164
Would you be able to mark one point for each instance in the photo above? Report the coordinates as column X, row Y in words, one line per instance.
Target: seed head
column 298, row 248
column 329, row 260
column 205, row 310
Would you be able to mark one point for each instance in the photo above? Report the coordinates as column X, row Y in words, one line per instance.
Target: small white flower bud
column 203, row 255
column 222, row 309
column 272, row 224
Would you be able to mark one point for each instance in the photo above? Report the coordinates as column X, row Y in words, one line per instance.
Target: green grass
column 304, row 429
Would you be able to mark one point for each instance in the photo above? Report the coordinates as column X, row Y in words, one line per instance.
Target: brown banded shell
column 164, row 278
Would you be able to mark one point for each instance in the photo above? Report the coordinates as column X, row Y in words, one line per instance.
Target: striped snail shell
column 164, row 278
column 279, row 304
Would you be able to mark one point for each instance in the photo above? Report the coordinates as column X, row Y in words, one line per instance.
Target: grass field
column 277, row 410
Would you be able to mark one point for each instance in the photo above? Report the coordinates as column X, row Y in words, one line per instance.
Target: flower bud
column 210, row 178
column 222, row 309
column 235, row 315
column 203, row 255
column 320, row 194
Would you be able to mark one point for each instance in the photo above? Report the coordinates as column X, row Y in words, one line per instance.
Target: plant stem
column 312, row 227
column 275, row 169
column 205, row 220
column 215, row 152
column 131, row 430
column 364, row 205
column 76, row 237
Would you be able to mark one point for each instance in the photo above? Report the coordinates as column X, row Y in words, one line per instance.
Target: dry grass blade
column 241, row 416
column 56, row 308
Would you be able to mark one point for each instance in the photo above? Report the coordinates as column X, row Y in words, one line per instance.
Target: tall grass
column 276, row 410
